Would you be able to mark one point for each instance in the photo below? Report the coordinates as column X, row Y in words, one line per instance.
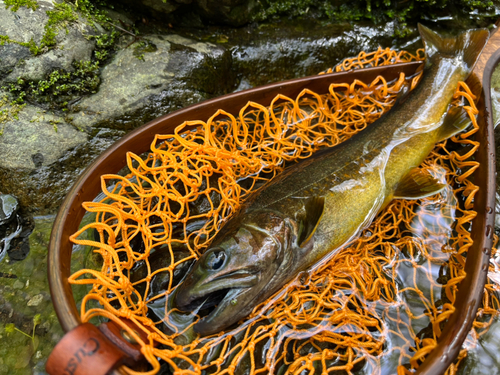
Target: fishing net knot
column 126, row 286
column 147, row 351
column 126, row 313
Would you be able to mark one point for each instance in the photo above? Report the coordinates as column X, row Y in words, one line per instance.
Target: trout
column 320, row 204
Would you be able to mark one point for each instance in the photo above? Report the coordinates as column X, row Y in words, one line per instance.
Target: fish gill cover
column 378, row 306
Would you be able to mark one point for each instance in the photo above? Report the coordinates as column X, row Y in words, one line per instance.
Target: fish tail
column 468, row 45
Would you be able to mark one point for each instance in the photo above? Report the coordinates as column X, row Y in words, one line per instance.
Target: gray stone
column 18, row 284
column 8, row 207
column 21, row 26
column 41, row 190
column 25, row 24
column 35, row 300
column 36, row 139
column 135, row 84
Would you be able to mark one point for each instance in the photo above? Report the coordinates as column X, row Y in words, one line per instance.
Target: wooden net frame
column 364, row 308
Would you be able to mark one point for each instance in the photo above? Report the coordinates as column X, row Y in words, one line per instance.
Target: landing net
column 377, row 307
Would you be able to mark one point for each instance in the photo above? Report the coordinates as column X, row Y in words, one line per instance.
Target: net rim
column 87, row 185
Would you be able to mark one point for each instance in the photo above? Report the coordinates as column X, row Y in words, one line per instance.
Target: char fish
column 318, row 205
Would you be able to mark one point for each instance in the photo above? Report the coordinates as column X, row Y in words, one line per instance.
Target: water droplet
column 489, row 210
column 485, row 267
column 486, row 251
column 489, row 231
column 444, row 358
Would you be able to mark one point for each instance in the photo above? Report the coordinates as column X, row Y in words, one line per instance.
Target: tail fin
column 468, row 45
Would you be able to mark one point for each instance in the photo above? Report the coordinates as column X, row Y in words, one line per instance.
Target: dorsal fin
column 468, row 45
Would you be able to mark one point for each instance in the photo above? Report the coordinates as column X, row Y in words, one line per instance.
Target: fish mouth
column 221, row 316
column 204, row 305
column 192, row 293
column 217, row 300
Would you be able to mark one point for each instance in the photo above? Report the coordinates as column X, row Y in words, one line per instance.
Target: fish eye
column 215, row 259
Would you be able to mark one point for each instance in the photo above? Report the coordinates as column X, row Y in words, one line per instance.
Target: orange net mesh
column 380, row 303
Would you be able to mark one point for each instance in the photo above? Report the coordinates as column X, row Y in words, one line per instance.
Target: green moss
column 59, row 17
column 144, row 46
column 31, row 44
column 14, row 5
column 60, row 86
column 8, row 111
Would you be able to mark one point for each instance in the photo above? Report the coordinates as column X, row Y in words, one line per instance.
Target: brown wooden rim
column 138, row 141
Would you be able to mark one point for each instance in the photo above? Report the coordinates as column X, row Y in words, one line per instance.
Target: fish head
column 236, row 270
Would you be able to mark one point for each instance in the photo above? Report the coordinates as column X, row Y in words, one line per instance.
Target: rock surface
column 42, row 189
column 25, row 25
column 275, row 52
column 153, row 77
column 36, row 138
column 15, row 228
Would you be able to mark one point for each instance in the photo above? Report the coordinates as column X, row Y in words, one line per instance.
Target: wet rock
column 15, row 228
column 152, row 77
column 276, row 52
column 24, row 25
column 34, row 143
column 27, row 25
column 41, row 190
column 8, row 208
column 36, row 138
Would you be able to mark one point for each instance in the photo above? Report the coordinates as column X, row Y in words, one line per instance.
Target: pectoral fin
column 456, row 120
column 418, row 184
column 314, row 209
